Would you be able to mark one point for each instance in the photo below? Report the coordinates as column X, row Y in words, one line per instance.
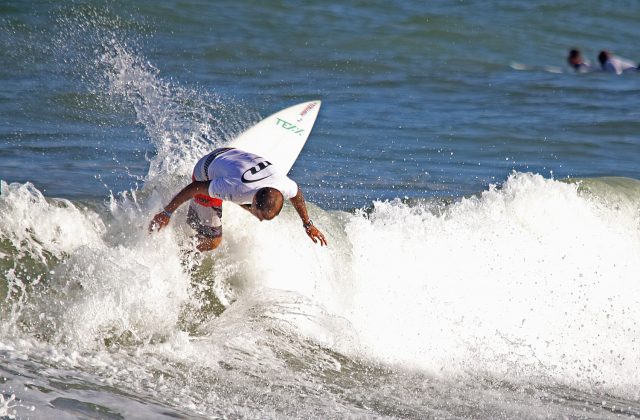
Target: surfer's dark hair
column 269, row 201
column 603, row 56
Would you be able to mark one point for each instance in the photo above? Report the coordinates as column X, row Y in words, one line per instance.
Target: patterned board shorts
column 207, row 221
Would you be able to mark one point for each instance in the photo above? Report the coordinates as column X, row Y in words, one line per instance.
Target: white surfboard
column 280, row 137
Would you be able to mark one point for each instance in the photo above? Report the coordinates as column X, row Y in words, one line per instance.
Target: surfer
column 576, row 61
column 242, row 178
column 612, row 64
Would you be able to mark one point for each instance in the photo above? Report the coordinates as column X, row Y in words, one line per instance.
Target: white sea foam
column 31, row 223
column 7, row 409
column 533, row 281
column 528, row 280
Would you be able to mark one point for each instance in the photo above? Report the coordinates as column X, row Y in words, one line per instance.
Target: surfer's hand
column 316, row 235
column 159, row 221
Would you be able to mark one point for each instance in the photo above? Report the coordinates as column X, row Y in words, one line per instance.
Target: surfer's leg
column 207, row 243
column 206, row 221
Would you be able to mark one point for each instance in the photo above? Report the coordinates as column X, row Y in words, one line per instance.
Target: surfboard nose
column 281, row 136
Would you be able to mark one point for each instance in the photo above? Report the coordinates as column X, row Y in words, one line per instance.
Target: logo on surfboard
column 288, row 126
column 249, row 175
column 305, row 110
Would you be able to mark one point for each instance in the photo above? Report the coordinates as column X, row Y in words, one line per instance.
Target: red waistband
column 207, row 201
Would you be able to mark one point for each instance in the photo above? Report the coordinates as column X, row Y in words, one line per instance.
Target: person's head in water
column 575, row 59
column 603, row 57
column 267, row 203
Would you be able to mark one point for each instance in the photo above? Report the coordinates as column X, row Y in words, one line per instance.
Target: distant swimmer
column 576, row 61
column 242, row 178
column 612, row 64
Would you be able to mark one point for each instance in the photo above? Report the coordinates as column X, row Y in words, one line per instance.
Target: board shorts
column 206, row 220
column 205, row 212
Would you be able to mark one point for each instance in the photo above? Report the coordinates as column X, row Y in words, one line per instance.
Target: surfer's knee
column 207, row 243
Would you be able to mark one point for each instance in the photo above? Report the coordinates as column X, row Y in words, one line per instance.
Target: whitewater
column 531, row 286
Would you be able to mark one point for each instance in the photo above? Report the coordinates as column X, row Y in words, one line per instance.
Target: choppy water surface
column 481, row 203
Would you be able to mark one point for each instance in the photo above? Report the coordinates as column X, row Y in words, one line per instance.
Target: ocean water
column 481, row 203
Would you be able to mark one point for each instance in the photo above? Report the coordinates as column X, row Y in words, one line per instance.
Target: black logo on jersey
column 250, row 174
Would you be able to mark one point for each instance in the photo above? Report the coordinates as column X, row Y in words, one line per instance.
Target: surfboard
column 280, row 137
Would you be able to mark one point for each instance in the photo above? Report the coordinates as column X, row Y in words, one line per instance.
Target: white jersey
column 618, row 65
column 236, row 176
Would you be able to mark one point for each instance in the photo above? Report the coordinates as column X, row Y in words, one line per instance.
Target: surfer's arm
column 312, row 231
column 161, row 219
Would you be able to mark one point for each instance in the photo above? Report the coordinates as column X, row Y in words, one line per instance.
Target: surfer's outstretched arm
column 161, row 219
column 312, row 231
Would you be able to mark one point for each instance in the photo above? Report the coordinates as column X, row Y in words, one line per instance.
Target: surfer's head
column 603, row 56
column 267, row 203
column 575, row 58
